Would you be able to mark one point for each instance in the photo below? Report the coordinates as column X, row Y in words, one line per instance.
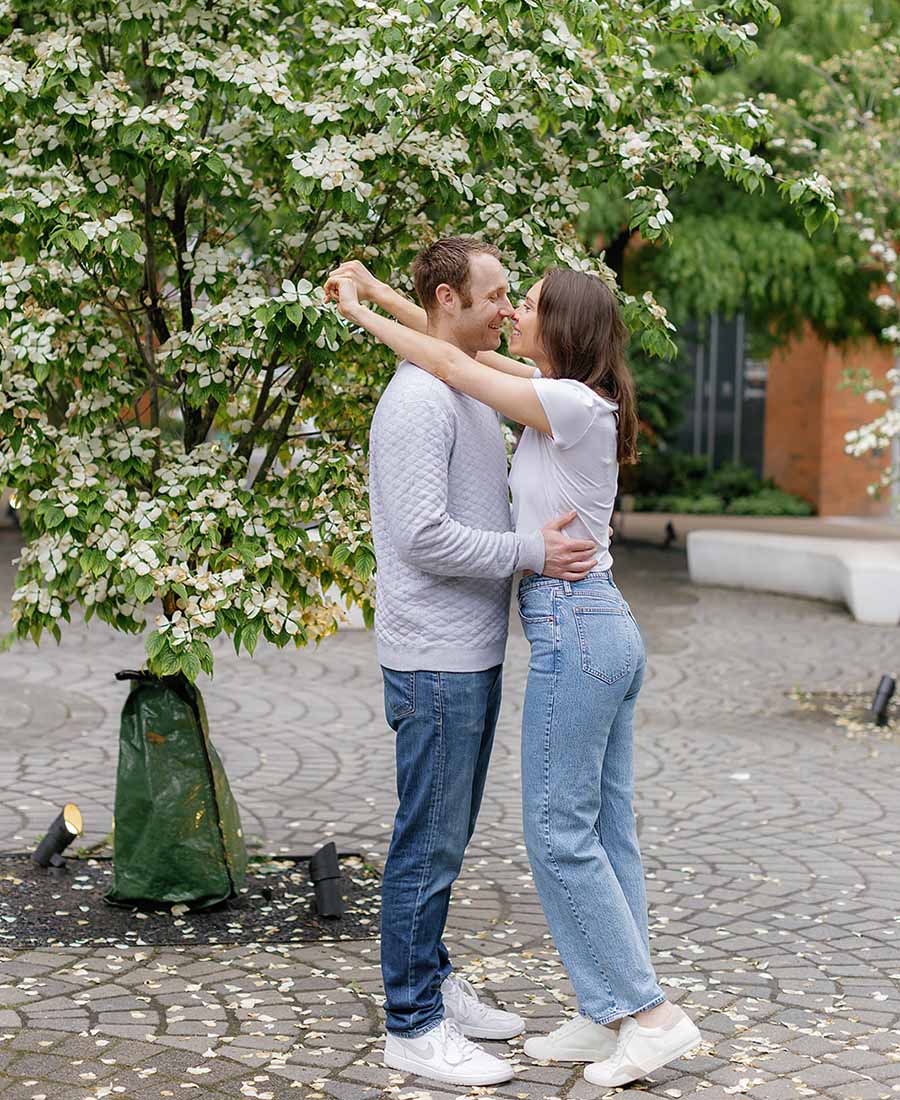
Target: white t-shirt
column 574, row 470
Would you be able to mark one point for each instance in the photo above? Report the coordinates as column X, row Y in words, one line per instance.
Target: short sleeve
column 570, row 407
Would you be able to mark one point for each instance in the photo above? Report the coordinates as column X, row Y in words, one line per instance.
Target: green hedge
column 705, row 504
column 674, row 482
column 769, row 502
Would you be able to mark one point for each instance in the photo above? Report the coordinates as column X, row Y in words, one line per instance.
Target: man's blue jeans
column 444, row 723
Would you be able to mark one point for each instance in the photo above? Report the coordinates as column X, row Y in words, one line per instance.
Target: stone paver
column 771, row 843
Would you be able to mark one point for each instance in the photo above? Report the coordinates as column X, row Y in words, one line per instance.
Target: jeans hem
column 618, row 1014
column 422, row 1029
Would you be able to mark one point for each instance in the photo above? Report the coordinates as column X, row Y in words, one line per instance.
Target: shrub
column 732, row 480
column 662, row 473
column 770, row 502
column 703, row 504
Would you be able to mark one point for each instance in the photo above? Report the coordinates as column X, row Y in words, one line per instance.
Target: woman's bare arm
column 506, row 364
column 370, row 289
column 511, row 396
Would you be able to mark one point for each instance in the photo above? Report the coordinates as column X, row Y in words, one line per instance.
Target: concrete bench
column 864, row 575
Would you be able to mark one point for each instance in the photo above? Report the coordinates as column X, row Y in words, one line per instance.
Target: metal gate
column 724, row 412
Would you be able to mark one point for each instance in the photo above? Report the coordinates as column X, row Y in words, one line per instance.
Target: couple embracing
column 447, row 548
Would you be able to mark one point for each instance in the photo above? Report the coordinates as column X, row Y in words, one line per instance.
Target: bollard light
column 325, row 872
column 67, row 825
column 877, row 713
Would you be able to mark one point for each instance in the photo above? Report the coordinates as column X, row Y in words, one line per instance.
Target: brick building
column 785, row 417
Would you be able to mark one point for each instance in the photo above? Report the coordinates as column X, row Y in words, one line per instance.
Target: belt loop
column 567, row 588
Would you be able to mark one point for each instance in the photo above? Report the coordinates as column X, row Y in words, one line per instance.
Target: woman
column 587, row 656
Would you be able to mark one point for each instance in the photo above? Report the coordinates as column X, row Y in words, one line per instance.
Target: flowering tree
column 182, row 418
column 847, row 126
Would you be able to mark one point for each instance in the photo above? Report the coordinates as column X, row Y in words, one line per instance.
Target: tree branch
column 150, row 294
column 298, row 263
column 298, row 385
column 245, row 446
column 179, row 232
column 420, row 209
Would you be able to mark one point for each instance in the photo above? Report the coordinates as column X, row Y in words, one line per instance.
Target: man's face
column 477, row 327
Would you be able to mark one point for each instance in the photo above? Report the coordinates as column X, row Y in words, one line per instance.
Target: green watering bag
column 177, row 835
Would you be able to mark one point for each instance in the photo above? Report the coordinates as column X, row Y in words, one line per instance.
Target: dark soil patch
column 42, row 908
column 849, row 710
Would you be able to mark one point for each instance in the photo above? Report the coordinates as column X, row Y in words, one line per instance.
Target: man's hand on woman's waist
column 564, row 558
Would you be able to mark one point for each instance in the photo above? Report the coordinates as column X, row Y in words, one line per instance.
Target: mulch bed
column 42, row 908
column 848, row 710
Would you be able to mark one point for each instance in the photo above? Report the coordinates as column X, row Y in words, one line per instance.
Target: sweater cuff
column 531, row 552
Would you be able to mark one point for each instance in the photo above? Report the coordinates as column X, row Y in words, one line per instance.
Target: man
column 446, row 554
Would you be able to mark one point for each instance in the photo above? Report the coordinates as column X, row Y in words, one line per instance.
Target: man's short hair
column 447, row 261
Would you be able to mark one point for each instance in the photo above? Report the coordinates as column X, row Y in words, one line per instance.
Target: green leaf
column 130, row 242
column 167, row 664
column 53, row 517
column 144, row 588
column 295, row 313
column 364, row 564
column 190, row 665
column 250, row 634
column 204, row 656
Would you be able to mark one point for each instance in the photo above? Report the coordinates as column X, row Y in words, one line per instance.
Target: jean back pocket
column 606, row 637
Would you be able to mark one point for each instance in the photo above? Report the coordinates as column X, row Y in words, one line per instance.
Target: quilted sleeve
column 413, row 467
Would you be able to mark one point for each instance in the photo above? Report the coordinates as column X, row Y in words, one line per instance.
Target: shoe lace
column 569, row 1026
column 457, row 1048
column 463, row 991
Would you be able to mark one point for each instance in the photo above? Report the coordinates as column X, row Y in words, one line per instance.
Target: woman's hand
column 341, row 289
column 368, row 288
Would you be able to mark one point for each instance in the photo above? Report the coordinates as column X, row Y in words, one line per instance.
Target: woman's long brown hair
column 583, row 336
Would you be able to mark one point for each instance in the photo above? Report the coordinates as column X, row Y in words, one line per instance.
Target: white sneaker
column 445, row 1054
column 641, row 1050
column 476, row 1019
column 577, row 1040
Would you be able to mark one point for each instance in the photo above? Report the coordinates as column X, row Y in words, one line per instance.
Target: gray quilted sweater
column 441, row 525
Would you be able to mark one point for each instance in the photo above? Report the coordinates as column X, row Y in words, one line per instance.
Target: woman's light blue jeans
column 587, row 664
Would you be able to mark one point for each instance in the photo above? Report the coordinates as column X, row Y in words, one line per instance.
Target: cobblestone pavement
column 770, row 838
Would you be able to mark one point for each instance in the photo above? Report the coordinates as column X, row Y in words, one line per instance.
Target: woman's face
column 524, row 340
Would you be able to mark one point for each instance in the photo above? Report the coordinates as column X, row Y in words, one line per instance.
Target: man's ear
column 446, row 296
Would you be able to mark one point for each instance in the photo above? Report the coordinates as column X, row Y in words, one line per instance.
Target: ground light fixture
column 325, row 872
column 67, row 825
column 877, row 713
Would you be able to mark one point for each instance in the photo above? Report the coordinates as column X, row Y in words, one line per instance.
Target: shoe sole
column 570, row 1059
column 487, row 1033
column 405, row 1065
column 645, row 1071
